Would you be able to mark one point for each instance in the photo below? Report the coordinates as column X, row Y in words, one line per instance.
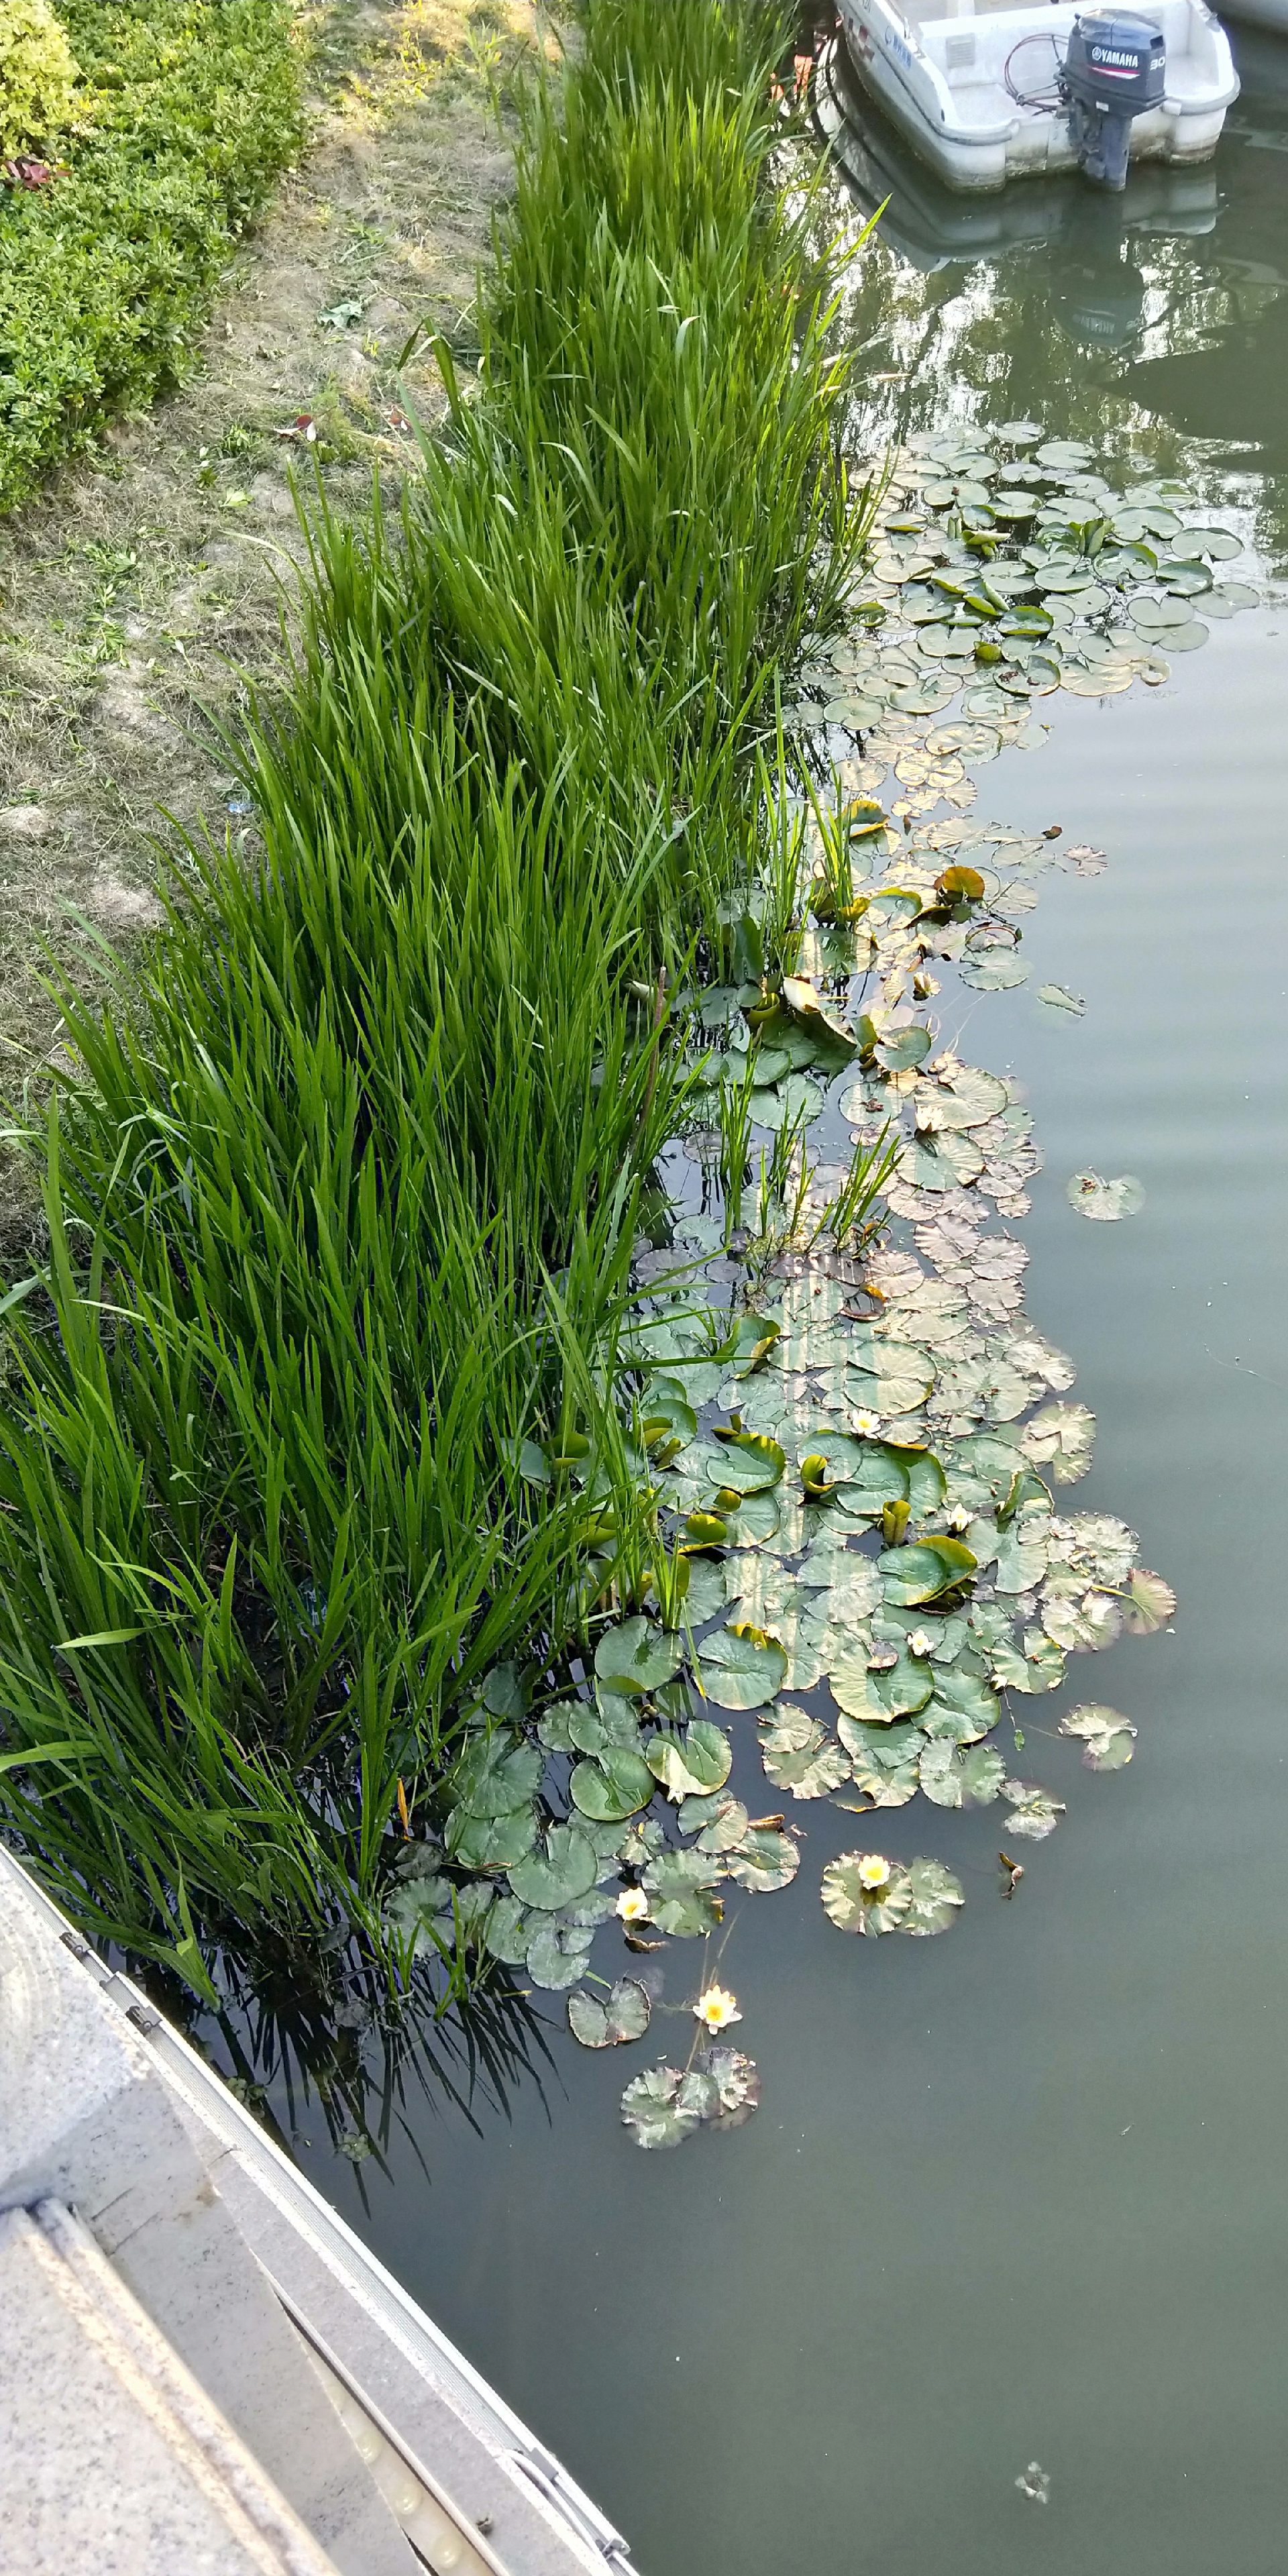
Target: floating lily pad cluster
column 857, row 1459
column 1007, row 568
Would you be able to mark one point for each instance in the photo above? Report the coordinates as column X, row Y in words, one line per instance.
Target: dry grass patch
column 145, row 583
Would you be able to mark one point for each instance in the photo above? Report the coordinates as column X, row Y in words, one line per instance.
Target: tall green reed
column 342, row 1195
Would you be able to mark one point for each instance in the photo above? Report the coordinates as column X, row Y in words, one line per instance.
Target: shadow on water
column 322, row 2044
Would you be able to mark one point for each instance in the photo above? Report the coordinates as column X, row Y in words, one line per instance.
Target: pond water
column 1018, row 2195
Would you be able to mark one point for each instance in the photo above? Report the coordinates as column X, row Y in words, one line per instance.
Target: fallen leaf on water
column 1035, row 2483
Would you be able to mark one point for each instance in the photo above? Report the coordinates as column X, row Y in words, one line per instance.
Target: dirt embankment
column 147, row 582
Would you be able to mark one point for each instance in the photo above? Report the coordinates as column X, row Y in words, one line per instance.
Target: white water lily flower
column 874, row 1872
column 866, row 1426
column 632, row 1905
column 959, row 1519
column 919, row 1643
column 717, row 2008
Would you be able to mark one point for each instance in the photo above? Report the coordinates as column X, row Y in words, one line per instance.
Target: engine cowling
column 1115, row 70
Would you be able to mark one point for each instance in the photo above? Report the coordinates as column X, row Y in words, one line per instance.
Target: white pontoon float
column 988, row 92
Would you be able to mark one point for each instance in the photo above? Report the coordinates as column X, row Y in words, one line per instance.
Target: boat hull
column 976, row 137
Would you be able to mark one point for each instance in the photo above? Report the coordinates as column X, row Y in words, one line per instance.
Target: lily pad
column 809, row 1765
column 1106, row 1737
column 1104, row 1200
column 854, row 1904
column 720, row 1822
column 553, row 1731
column 904, row 1048
column 419, row 1911
column 688, row 1915
column 613, row 1786
column 875, row 1697
column 1149, row 1605
column 925, row 1569
column 1033, row 1814
column 765, row 1859
column 884, row 1760
column 490, row 1842
column 756, row 1521
column 624, row 2016
column 937, row 1899
column 1061, row 999
column 1060, row 1439
column 964, row 1706
column 956, row 1775
column 558, row 1874
column 557, row 1955
column 996, row 972
column 613, row 1720
column 967, row 1100
column 736, row 2082
column 741, row 1668
column 658, row 2110
column 1080, row 1618
column 507, row 1930
column 693, row 1764
column 947, row 1160
column 636, row 1657
column 494, row 1780
column 746, row 1462
column 1040, row 1667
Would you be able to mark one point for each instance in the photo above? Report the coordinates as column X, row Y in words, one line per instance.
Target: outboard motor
column 1115, row 69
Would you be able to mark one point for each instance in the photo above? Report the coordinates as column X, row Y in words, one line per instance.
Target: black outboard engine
column 1115, row 69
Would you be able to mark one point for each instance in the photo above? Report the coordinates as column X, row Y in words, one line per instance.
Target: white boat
column 934, row 227
column 974, row 83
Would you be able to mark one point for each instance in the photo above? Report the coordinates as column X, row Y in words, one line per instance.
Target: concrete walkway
column 202, row 2370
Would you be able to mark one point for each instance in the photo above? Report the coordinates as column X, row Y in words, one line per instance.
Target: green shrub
column 106, row 274
column 37, row 75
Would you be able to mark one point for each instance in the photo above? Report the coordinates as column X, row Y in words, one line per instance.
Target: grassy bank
column 343, row 1203
column 184, row 112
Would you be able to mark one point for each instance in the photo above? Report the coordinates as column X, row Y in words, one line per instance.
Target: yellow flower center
column 717, row 2008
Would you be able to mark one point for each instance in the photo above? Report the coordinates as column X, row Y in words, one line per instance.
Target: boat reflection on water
column 1222, row 373
column 933, row 227
column 1170, row 301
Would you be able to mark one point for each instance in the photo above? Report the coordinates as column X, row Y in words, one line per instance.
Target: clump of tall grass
column 343, row 1192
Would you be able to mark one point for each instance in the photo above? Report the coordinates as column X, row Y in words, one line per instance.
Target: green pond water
column 1020, row 2195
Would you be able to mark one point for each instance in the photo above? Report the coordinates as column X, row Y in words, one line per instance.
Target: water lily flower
column 959, row 1519
column 866, row 1426
column 919, row 1643
column 632, row 1905
column 717, row 2008
column 874, row 1872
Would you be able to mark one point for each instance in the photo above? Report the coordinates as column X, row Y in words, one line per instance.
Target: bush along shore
column 525, row 1294
column 137, row 140
column 318, row 1421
